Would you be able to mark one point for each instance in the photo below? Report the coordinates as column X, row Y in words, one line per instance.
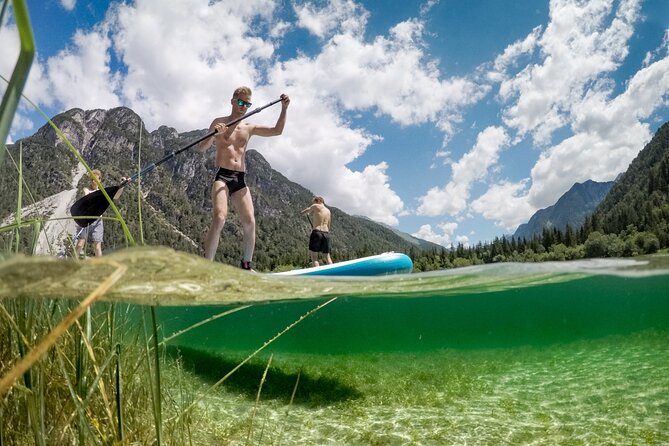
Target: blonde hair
column 240, row 91
column 319, row 199
column 98, row 174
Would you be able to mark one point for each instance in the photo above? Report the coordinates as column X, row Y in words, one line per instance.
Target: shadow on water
column 311, row 391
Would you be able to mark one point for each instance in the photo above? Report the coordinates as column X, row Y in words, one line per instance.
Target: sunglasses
column 243, row 103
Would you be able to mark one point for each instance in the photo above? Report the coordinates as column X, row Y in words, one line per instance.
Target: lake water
column 568, row 353
column 561, row 353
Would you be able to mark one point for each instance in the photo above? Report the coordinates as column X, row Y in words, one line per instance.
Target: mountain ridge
column 570, row 209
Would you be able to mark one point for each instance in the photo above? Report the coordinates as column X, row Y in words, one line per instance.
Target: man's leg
column 97, row 248
column 328, row 259
column 314, row 258
column 79, row 247
column 219, row 200
column 243, row 204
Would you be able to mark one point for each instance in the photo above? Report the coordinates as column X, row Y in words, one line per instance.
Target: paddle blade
column 91, row 205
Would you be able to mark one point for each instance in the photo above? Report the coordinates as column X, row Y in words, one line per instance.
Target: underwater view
column 550, row 353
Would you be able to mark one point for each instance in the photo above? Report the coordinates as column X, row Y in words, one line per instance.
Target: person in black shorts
column 229, row 184
column 319, row 240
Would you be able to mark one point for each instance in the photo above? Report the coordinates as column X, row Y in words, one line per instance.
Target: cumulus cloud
column 86, row 66
column 505, row 203
column 453, row 198
column 344, row 16
column 443, row 234
column 609, row 131
column 577, row 48
column 184, row 59
column 68, row 4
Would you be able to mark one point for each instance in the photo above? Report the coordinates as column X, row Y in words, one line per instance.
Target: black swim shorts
column 319, row 241
column 233, row 179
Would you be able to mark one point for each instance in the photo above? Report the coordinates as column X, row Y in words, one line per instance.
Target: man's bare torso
column 320, row 217
column 230, row 151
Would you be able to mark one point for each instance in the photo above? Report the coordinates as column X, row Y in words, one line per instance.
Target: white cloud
column 183, row 75
column 505, row 61
column 343, row 16
column 452, row 199
column 609, row 135
column 185, row 58
column 506, row 204
column 68, row 4
column 81, row 77
column 443, row 234
column 578, row 47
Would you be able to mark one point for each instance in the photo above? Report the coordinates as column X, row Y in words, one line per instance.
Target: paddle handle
column 152, row 166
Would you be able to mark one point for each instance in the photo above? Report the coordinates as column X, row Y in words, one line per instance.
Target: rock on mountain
column 570, row 209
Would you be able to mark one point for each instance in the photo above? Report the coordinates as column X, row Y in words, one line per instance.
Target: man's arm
column 280, row 123
column 304, row 211
column 204, row 145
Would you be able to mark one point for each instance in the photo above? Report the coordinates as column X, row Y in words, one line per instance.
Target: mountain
column 570, row 209
column 641, row 196
column 175, row 199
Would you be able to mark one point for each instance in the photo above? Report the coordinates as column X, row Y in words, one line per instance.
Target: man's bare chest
column 238, row 139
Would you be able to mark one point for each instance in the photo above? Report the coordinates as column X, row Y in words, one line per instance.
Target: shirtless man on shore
column 229, row 182
column 319, row 240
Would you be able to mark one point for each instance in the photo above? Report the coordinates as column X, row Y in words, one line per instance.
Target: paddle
column 89, row 207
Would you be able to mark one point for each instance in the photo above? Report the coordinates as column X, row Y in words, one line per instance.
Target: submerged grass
column 610, row 390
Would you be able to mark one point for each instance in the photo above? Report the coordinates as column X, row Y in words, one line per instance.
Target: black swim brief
column 233, row 179
column 319, row 241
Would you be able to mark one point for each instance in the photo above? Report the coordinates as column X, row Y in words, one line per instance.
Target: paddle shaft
column 95, row 203
column 152, row 166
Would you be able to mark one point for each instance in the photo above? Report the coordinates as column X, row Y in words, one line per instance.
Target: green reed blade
column 139, row 185
column 10, row 100
column 255, row 406
column 119, row 394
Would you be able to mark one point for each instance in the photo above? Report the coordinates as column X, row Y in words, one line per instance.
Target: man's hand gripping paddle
column 90, row 207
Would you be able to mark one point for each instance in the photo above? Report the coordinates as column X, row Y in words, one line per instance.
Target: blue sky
column 451, row 120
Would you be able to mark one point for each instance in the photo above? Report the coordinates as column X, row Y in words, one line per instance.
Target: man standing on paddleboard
column 319, row 240
column 229, row 184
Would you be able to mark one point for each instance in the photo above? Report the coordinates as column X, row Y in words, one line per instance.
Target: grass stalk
column 156, row 358
column 86, row 337
column 290, row 405
column 78, row 406
column 154, row 381
column 255, row 406
column 19, row 198
column 119, row 395
column 202, row 322
column 139, row 185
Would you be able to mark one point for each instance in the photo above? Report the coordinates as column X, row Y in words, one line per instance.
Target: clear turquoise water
column 568, row 353
column 579, row 360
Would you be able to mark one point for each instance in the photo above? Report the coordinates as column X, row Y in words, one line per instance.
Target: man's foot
column 247, row 266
